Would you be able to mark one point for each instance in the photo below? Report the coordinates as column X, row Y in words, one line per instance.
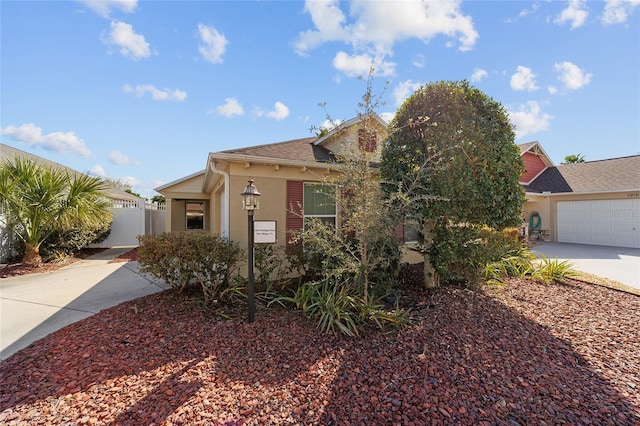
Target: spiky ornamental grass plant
column 41, row 200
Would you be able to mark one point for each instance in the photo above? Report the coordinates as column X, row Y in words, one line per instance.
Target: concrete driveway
column 33, row 306
column 616, row 263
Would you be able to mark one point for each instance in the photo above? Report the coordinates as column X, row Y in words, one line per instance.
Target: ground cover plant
column 528, row 353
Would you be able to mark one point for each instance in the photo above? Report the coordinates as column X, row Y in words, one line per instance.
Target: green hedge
column 190, row 259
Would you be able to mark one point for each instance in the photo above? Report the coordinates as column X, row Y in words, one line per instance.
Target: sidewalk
column 33, row 306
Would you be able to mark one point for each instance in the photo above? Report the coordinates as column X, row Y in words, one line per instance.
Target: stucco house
column 286, row 173
column 594, row 202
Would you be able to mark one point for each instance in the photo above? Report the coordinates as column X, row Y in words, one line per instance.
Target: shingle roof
column 524, row 147
column 615, row 174
column 297, row 149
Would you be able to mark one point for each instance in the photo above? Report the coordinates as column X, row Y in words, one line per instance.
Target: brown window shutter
column 367, row 140
column 294, row 210
column 400, row 232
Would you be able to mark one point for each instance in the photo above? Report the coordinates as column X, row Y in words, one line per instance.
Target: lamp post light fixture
column 250, row 202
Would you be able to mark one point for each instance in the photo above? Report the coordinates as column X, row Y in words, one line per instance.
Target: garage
column 599, row 222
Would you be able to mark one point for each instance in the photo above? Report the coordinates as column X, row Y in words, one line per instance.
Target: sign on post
column 265, row 231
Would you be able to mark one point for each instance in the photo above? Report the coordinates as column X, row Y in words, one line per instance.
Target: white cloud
column 60, row 142
column 552, row 90
column 529, row 118
column 525, row 12
column 130, row 180
column 280, row 112
column 97, row 170
column 617, row 11
column 419, row 61
column 230, row 108
column 131, row 45
column 156, row 94
column 571, row 75
column 523, row 79
column 403, row 90
column 478, row 74
column 388, row 116
column 359, row 65
column 121, row 159
column 330, row 125
column 575, row 13
column 212, row 44
column 376, row 27
column 104, row 7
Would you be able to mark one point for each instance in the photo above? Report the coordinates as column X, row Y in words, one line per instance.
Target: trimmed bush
column 185, row 259
column 460, row 252
column 76, row 238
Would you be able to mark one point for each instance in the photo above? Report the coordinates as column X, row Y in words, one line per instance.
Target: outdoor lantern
column 250, row 197
column 250, row 202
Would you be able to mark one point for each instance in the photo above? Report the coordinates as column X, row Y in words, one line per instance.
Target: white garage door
column 600, row 222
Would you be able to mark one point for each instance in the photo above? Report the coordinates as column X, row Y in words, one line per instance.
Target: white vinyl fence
column 7, row 240
column 133, row 218
column 130, row 219
column 154, row 218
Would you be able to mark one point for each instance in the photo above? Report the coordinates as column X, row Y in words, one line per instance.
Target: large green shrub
column 74, row 238
column 191, row 259
column 460, row 252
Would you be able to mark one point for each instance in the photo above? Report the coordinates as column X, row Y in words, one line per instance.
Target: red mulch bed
column 528, row 355
column 16, row 268
column 13, row 269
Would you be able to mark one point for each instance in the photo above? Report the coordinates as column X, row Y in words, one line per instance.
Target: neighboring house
column 287, row 174
column 594, row 202
column 128, row 210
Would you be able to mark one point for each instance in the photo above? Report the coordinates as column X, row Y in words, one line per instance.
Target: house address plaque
column 265, row 231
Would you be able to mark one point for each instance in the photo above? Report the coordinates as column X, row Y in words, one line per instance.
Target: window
column 195, row 215
column 319, row 203
column 411, row 232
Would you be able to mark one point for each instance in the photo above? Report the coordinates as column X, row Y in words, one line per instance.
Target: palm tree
column 38, row 200
column 572, row 159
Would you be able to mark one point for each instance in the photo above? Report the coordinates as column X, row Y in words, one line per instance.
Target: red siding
column 294, row 209
column 533, row 165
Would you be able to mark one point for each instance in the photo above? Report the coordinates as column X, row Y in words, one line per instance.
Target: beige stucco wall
column 176, row 196
column 547, row 206
column 271, row 182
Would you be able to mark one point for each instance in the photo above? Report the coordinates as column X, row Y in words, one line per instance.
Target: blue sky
column 142, row 91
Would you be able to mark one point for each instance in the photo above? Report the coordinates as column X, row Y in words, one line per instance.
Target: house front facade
column 594, row 202
column 287, row 174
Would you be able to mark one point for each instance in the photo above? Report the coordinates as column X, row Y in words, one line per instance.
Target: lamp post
column 250, row 202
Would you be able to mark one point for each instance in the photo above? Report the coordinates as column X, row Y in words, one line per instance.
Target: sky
column 142, row 91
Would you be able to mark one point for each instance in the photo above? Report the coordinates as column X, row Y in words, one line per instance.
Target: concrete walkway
column 616, row 263
column 33, row 306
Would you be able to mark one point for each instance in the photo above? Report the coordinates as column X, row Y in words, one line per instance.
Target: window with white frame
column 319, row 203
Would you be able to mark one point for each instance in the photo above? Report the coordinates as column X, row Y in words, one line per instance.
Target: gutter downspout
column 224, row 226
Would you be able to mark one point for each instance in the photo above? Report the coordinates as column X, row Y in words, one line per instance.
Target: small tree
column 39, row 201
column 450, row 158
column 365, row 242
